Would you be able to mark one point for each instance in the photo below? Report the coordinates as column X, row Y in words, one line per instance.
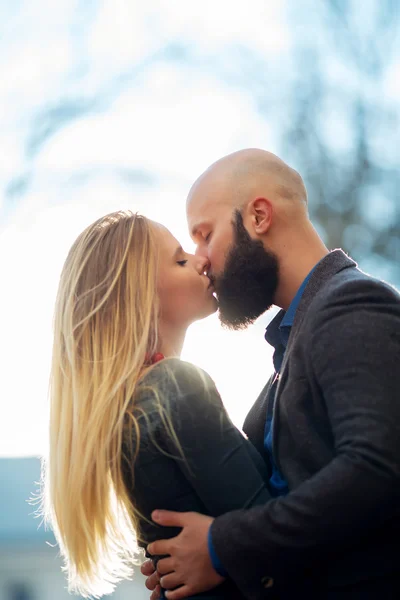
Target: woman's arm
column 221, row 465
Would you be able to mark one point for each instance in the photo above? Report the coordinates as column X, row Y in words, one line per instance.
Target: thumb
column 168, row 518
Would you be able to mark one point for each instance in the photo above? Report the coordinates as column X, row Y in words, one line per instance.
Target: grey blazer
column 336, row 439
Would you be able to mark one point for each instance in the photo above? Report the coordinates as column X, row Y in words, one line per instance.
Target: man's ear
column 260, row 212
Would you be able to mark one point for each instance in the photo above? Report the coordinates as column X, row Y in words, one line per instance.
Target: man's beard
column 247, row 286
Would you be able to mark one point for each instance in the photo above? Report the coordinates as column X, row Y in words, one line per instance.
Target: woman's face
column 183, row 287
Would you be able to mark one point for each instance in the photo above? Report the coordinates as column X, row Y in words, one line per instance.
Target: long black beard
column 247, row 286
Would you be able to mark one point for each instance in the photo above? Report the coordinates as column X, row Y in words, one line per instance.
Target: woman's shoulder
column 176, row 371
column 177, row 376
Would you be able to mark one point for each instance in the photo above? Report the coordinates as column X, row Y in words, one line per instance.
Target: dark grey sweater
column 213, row 470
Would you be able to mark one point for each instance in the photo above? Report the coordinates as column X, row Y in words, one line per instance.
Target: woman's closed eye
column 207, row 237
column 182, row 263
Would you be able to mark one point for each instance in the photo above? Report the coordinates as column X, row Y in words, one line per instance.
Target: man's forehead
column 207, row 200
column 198, row 206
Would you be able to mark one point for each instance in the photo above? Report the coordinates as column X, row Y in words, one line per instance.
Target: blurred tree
column 332, row 101
column 340, row 129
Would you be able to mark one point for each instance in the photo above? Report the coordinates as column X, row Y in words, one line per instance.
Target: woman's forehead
column 164, row 237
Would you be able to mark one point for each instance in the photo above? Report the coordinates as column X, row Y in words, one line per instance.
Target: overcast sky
column 95, row 117
column 118, row 105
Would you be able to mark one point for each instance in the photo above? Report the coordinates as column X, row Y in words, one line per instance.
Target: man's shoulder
column 350, row 280
column 351, row 289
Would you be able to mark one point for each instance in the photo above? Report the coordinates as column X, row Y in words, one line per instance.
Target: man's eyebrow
column 197, row 226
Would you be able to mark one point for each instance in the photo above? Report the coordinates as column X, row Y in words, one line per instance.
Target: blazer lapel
column 333, row 262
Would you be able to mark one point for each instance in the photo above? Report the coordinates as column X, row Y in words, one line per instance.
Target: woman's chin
column 209, row 309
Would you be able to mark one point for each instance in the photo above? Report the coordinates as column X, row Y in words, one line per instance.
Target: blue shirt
column 277, row 334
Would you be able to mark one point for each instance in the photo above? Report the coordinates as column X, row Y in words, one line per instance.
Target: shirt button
column 267, row 582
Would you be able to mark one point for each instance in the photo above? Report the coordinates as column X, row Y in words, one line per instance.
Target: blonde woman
column 132, row 427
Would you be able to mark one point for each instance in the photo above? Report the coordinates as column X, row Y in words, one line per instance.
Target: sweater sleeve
column 354, row 351
column 221, row 465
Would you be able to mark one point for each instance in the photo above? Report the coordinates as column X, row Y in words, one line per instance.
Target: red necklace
column 152, row 360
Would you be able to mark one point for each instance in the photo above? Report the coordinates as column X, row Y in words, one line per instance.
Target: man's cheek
column 217, row 264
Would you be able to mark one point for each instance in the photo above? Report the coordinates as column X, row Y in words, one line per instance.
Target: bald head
column 248, row 215
column 243, row 174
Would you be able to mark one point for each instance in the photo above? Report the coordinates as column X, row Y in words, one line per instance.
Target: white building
column 29, row 567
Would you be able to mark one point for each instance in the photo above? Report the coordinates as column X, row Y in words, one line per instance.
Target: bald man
column 327, row 422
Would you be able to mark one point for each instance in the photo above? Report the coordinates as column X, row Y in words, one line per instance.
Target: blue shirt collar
column 278, row 331
column 288, row 317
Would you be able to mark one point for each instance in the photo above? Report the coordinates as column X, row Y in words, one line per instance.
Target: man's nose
column 201, row 251
column 202, row 264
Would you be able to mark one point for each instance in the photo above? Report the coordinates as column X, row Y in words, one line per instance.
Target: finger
column 165, row 566
column 170, row 581
column 159, row 547
column 169, row 518
column 156, row 595
column 147, row 568
column 179, row 594
column 152, row 581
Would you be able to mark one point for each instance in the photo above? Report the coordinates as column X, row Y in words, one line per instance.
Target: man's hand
column 153, row 579
column 188, row 566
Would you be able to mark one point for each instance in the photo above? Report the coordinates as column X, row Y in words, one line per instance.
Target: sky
column 95, row 117
column 121, row 104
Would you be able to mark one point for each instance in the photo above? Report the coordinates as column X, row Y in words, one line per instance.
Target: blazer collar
column 332, row 263
column 328, row 266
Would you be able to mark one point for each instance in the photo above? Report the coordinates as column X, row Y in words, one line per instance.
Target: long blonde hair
column 105, row 324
